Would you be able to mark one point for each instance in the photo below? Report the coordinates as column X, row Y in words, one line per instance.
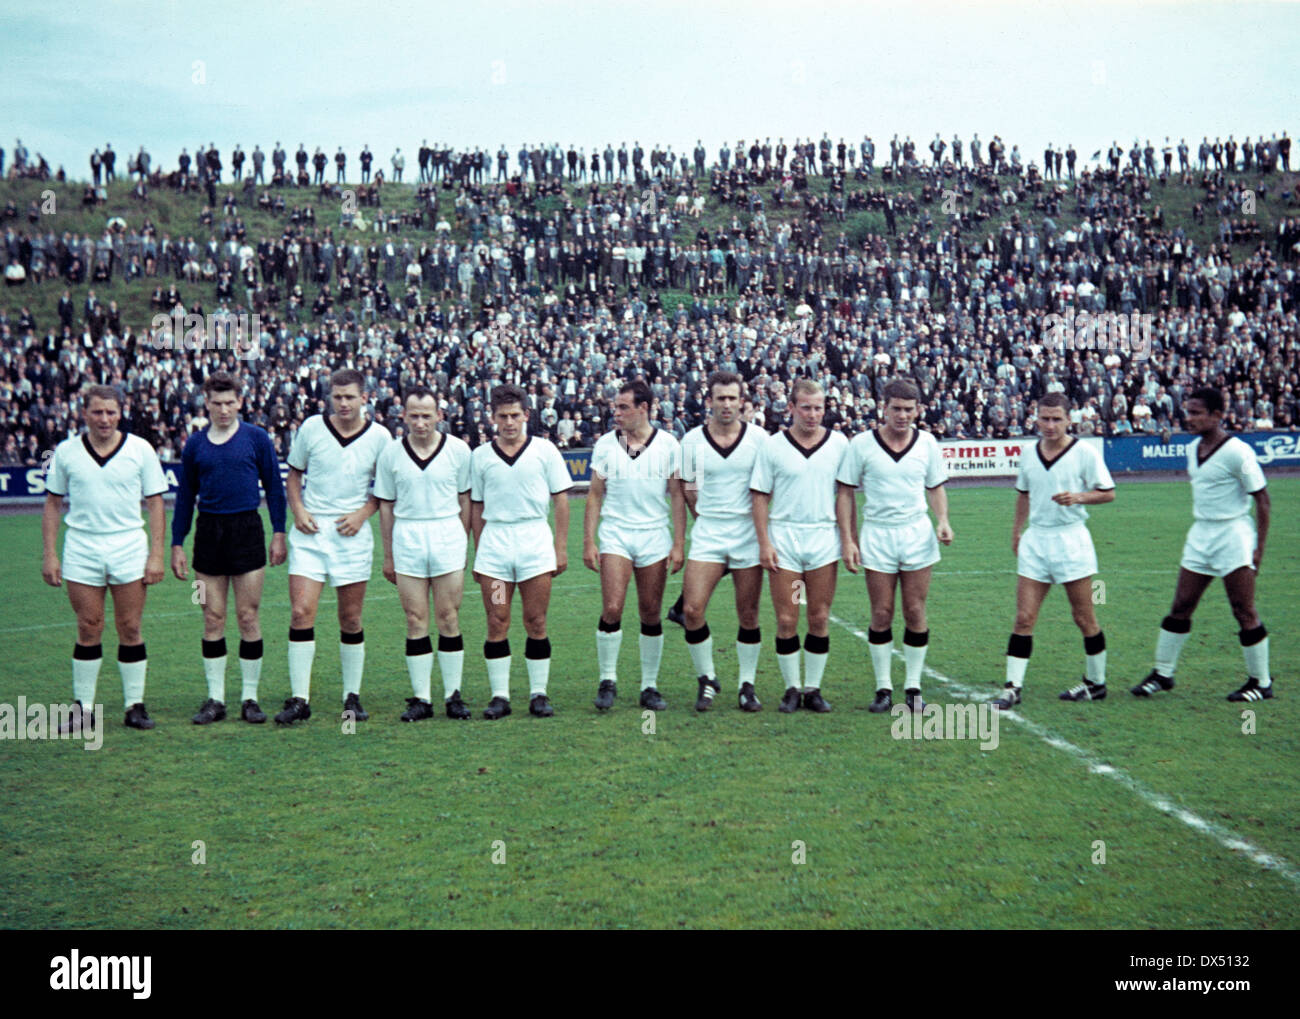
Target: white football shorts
column 102, row 559
column 429, row 548
column 1056, row 555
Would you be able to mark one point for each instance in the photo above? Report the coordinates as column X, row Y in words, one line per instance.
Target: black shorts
column 228, row 544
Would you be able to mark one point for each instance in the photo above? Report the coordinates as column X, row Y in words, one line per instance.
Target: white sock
column 702, row 657
column 85, row 677
column 498, row 670
column 914, row 662
column 652, row 651
column 1095, row 668
column 747, row 658
column 452, row 666
column 1016, row 670
column 814, row 664
column 301, row 655
column 1168, row 647
column 352, row 657
column 214, row 670
column 132, row 681
column 250, row 673
column 1257, row 662
column 420, row 669
column 881, row 656
column 789, row 666
column 607, row 648
column 539, row 672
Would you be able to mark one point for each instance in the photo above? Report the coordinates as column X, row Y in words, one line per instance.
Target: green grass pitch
column 599, row 823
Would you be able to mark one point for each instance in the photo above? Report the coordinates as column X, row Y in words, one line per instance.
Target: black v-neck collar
column 810, row 450
column 1049, row 464
column 916, row 434
column 510, row 460
column 724, row 453
column 1202, row 462
column 339, row 437
column 423, row 462
column 622, row 441
column 101, row 460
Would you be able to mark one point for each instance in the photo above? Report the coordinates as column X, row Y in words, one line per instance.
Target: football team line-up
column 781, row 504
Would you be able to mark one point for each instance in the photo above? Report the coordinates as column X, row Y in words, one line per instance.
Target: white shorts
column 1216, row 548
column 801, row 548
column 642, row 546
column 729, row 540
column 102, row 559
column 1056, row 555
column 901, row 549
column 429, row 548
column 515, row 552
column 329, row 557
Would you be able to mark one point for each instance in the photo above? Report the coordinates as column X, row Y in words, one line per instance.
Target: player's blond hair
column 802, row 386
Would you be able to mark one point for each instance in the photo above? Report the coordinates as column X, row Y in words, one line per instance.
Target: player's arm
column 590, row 520
column 761, row 503
column 51, row 568
column 1095, row 497
column 351, row 523
column 463, row 499
column 1263, row 512
column 153, row 570
column 677, row 508
column 302, row 520
column 560, row 500
column 1018, row 525
column 476, row 520
column 846, row 516
column 268, row 466
column 183, row 509
column 937, row 497
column 386, row 539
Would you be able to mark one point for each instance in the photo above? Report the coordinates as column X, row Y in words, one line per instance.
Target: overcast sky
column 172, row 75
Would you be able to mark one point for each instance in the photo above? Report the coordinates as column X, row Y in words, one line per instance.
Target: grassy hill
column 178, row 215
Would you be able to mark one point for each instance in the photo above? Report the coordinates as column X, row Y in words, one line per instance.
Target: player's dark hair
column 348, row 377
column 721, row 378
column 1054, row 400
column 641, row 395
column 1211, row 398
column 220, row 382
column 419, row 392
column 103, row 393
column 503, row 396
column 900, row 389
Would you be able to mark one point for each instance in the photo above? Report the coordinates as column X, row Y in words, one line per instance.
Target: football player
column 1222, row 542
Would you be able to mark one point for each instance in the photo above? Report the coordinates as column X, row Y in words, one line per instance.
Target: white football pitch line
column 1224, row 836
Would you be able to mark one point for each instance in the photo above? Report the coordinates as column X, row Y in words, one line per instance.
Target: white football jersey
column 1080, row 467
column 894, row 483
column 1223, row 485
column 104, row 493
column 801, row 481
column 338, row 470
column 423, row 489
column 636, row 487
column 516, row 489
column 721, row 476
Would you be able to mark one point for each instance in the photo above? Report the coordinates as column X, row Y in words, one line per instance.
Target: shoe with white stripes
column 1085, row 691
column 1009, row 699
column 708, row 689
column 1252, row 691
column 1154, row 683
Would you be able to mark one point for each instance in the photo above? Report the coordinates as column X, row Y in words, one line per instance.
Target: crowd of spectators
column 471, row 281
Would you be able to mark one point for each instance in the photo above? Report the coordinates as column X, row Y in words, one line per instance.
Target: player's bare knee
column 882, row 619
column 914, row 617
column 246, row 618
column 535, row 624
column 694, row 616
column 819, row 618
column 128, row 632
column 448, row 619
